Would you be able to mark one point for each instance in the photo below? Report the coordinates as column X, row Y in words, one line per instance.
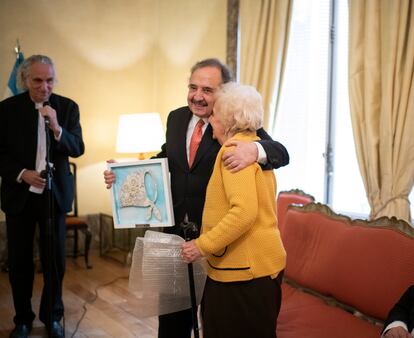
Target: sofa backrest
column 286, row 198
column 362, row 264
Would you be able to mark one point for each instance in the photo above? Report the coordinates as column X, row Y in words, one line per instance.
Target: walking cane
column 190, row 232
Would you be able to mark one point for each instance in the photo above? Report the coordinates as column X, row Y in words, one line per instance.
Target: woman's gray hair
column 24, row 69
column 239, row 108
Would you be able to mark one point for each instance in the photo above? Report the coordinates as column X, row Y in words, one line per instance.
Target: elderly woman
column 240, row 236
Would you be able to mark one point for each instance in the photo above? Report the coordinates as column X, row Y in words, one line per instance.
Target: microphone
column 46, row 103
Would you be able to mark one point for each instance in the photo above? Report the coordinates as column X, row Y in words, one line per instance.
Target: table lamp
column 139, row 133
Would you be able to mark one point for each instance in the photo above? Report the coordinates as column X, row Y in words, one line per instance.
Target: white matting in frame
column 141, row 194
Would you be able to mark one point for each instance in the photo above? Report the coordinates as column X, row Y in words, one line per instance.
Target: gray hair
column 226, row 75
column 24, row 69
column 239, row 107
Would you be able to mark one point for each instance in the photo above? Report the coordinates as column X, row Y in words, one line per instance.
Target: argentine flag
column 11, row 85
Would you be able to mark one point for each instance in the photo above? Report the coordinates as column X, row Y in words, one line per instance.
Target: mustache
column 199, row 102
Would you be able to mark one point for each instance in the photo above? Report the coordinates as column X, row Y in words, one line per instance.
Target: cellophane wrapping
column 159, row 278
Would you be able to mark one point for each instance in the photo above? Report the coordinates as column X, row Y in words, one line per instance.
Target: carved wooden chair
column 74, row 224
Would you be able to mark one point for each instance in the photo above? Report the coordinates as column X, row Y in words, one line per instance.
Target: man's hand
column 32, row 177
column 244, row 154
column 50, row 113
column 397, row 332
column 109, row 176
column 190, row 252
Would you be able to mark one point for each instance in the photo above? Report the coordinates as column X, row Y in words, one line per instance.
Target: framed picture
column 141, row 194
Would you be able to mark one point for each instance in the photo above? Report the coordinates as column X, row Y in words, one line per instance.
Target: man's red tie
column 195, row 141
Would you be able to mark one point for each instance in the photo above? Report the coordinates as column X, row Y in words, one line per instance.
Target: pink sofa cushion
column 305, row 316
column 361, row 264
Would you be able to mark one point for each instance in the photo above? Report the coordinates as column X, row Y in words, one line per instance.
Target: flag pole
column 11, row 88
column 17, row 48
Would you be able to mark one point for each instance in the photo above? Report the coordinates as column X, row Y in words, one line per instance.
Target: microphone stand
column 190, row 232
column 49, row 250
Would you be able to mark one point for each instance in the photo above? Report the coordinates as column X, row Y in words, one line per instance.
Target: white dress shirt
column 41, row 149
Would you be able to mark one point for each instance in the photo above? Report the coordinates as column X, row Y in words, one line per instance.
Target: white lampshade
column 139, row 133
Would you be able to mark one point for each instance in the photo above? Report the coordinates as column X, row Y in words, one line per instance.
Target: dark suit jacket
column 18, row 147
column 403, row 310
column 188, row 186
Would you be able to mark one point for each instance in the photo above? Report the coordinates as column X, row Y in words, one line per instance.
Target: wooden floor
column 101, row 291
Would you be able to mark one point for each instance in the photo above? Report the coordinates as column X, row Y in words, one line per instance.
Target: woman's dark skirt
column 246, row 309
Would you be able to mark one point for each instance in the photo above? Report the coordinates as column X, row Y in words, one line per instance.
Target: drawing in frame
column 141, row 194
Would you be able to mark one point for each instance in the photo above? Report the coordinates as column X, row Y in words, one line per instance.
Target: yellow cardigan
column 239, row 235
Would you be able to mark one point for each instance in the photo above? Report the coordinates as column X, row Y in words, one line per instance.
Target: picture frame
column 141, row 194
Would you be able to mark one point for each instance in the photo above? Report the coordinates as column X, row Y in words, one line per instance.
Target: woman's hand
column 190, row 252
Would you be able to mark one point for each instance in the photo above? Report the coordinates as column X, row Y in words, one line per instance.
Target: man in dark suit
column 400, row 320
column 25, row 120
column 189, row 182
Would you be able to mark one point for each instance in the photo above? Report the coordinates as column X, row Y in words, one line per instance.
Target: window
column 301, row 119
column 305, row 105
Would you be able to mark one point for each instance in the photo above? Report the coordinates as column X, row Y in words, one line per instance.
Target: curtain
column 381, row 89
column 264, row 30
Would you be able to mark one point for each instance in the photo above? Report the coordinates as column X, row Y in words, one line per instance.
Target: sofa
column 342, row 276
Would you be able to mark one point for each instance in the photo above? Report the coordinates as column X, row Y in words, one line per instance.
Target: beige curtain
column 264, row 30
column 381, row 89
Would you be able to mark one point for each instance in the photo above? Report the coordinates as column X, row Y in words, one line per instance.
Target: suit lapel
column 31, row 115
column 178, row 147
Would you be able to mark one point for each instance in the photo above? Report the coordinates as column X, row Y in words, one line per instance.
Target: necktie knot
column 195, row 141
column 199, row 124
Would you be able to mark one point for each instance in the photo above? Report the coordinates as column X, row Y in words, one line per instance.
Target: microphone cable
column 85, row 310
